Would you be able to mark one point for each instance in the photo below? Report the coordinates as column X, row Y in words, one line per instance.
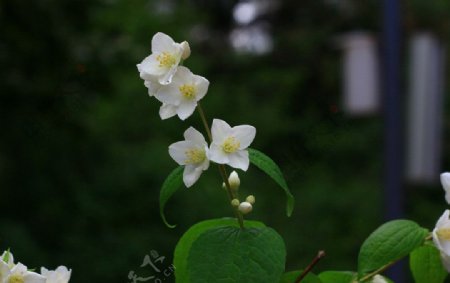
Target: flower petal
column 191, row 174
column 167, row 77
column 445, row 181
column 239, row 159
column 33, row 277
column 202, row 85
column 245, row 134
column 220, row 130
column 217, row 155
column 153, row 86
column 178, row 151
column 191, row 134
column 186, row 109
column 149, row 67
column 161, row 42
column 167, row 110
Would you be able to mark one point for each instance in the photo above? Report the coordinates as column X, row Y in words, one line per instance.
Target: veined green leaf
column 426, row 266
column 268, row 166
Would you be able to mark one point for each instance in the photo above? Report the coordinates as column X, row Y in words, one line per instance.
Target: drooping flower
column 181, row 96
column 164, row 60
column 59, row 275
column 445, row 181
column 441, row 238
column 20, row 274
column 229, row 144
column 192, row 153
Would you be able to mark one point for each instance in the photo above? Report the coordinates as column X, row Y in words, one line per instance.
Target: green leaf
column 290, row 277
column 337, row 276
column 426, row 266
column 390, row 242
column 268, row 166
column 230, row 255
column 185, row 243
column 172, row 183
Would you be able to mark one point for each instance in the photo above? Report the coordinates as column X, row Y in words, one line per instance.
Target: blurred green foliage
column 83, row 152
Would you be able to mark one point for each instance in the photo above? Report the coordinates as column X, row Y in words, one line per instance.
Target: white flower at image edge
column 181, row 96
column 163, row 62
column 445, row 181
column 59, row 275
column 20, row 274
column 192, row 153
column 229, row 145
column 441, row 238
column 379, row 279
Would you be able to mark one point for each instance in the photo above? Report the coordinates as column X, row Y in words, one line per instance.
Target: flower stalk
column 222, row 169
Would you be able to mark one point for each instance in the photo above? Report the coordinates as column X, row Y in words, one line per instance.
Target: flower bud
column 234, row 180
column 235, row 202
column 186, row 50
column 245, row 207
column 251, row 199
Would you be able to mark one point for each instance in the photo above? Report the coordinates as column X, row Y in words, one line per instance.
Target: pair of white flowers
column 175, row 86
column 229, row 146
column 441, row 233
column 11, row 272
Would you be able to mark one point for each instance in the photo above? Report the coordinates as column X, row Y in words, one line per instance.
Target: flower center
column 444, row 234
column 195, row 155
column 230, row 145
column 166, row 59
column 16, row 279
column 188, row 91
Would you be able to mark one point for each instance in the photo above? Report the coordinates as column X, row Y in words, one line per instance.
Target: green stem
column 222, row 169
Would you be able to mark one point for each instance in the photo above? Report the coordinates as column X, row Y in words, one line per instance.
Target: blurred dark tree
column 83, row 151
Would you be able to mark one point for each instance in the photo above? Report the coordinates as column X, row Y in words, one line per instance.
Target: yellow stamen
column 231, row 145
column 188, row 91
column 444, row 234
column 16, row 279
column 166, row 59
column 195, row 155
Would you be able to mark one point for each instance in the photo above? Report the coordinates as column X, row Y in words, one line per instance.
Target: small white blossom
column 182, row 94
column 59, row 275
column 192, row 152
column 229, row 145
column 379, row 279
column 445, row 180
column 20, row 274
column 441, row 238
column 164, row 60
column 245, row 207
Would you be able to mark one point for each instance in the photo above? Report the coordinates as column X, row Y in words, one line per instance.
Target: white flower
column 59, row 275
column 163, row 62
column 445, row 180
column 192, row 152
column 441, row 238
column 379, row 279
column 229, row 144
column 182, row 94
column 20, row 274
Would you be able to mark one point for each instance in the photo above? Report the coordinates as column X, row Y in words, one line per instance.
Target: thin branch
column 308, row 269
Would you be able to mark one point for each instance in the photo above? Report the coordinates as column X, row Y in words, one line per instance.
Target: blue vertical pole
column 393, row 129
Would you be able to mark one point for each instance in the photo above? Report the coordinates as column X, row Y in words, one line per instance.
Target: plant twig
column 222, row 169
column 305, row 272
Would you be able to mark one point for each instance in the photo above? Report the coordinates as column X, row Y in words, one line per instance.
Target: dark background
column 83, row 151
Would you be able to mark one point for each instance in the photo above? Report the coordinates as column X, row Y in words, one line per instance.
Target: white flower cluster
column 11, row 272
column 179, row 91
